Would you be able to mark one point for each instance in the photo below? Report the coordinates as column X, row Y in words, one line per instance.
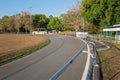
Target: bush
column 68, row 28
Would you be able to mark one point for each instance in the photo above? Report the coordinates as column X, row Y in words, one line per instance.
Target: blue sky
column 47, row 7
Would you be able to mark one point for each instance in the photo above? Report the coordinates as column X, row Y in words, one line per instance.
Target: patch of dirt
column 15, row 44
column 110, row 61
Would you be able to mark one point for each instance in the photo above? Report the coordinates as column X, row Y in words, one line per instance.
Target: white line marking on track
column 84, row 76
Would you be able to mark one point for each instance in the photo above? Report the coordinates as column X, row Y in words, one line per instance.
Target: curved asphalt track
column 42, row 64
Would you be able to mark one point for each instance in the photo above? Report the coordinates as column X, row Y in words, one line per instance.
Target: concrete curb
column 104, row 48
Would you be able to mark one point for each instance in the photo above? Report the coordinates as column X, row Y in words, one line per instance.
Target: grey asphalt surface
column 42, row 64
column 101, row 46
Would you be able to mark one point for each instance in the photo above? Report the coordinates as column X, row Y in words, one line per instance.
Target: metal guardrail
column 94, row 68
column 90, row 74
column 90, row 70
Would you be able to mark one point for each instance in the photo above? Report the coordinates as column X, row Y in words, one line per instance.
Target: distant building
column 81, row 34
column 39, row 31
column 108, row 31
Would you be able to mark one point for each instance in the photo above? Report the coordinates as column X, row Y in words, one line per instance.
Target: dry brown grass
column 15, row 44
column 110, row 60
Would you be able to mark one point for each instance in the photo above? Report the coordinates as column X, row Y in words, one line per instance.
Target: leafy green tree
column 11, row 24
column 93, row 30
column 68, row 28
column 51, row 16
column 5, row 23
column 101, row 12
column 40, row 21
column 54, row 24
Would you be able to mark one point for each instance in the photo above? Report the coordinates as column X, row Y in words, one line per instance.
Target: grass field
column 12, row 45
column 110, row 61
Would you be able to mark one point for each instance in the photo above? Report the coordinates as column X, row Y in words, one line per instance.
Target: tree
column 51, row 16
column 93, row 30
column 40, row 21
column 68, row 28
column 73, row 18
column 101, row 12
column 26, row 20
column 18, row 22
column 5, row 23
column 1, row 25
column 11, row 24
column 54, row 24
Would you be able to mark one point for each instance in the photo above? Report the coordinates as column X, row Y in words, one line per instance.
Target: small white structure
column 39, row 32
column 109, row 30
column 113, row 28
column 81, row 34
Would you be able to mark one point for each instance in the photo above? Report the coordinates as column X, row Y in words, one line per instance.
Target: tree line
column 92, row 15
column 16, row 23
column 85, row 15
column 100, row 13
column 24, row 23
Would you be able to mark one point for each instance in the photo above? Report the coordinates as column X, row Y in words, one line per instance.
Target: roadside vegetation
column 13, row 47
column 110, row 63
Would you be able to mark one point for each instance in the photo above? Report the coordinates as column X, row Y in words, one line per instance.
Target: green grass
column 109, row 60
column 15, row 57
column 117, row 45
column 112, row 44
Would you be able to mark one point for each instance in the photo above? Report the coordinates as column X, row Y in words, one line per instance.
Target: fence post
column 96, row 67
column 106, row 36
column 116, row 37
column 111, row 36
column 102, row 35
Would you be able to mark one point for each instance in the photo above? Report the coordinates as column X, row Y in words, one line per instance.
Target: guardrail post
column 96, row 67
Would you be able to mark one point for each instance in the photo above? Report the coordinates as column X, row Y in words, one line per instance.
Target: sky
column 47, row 7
